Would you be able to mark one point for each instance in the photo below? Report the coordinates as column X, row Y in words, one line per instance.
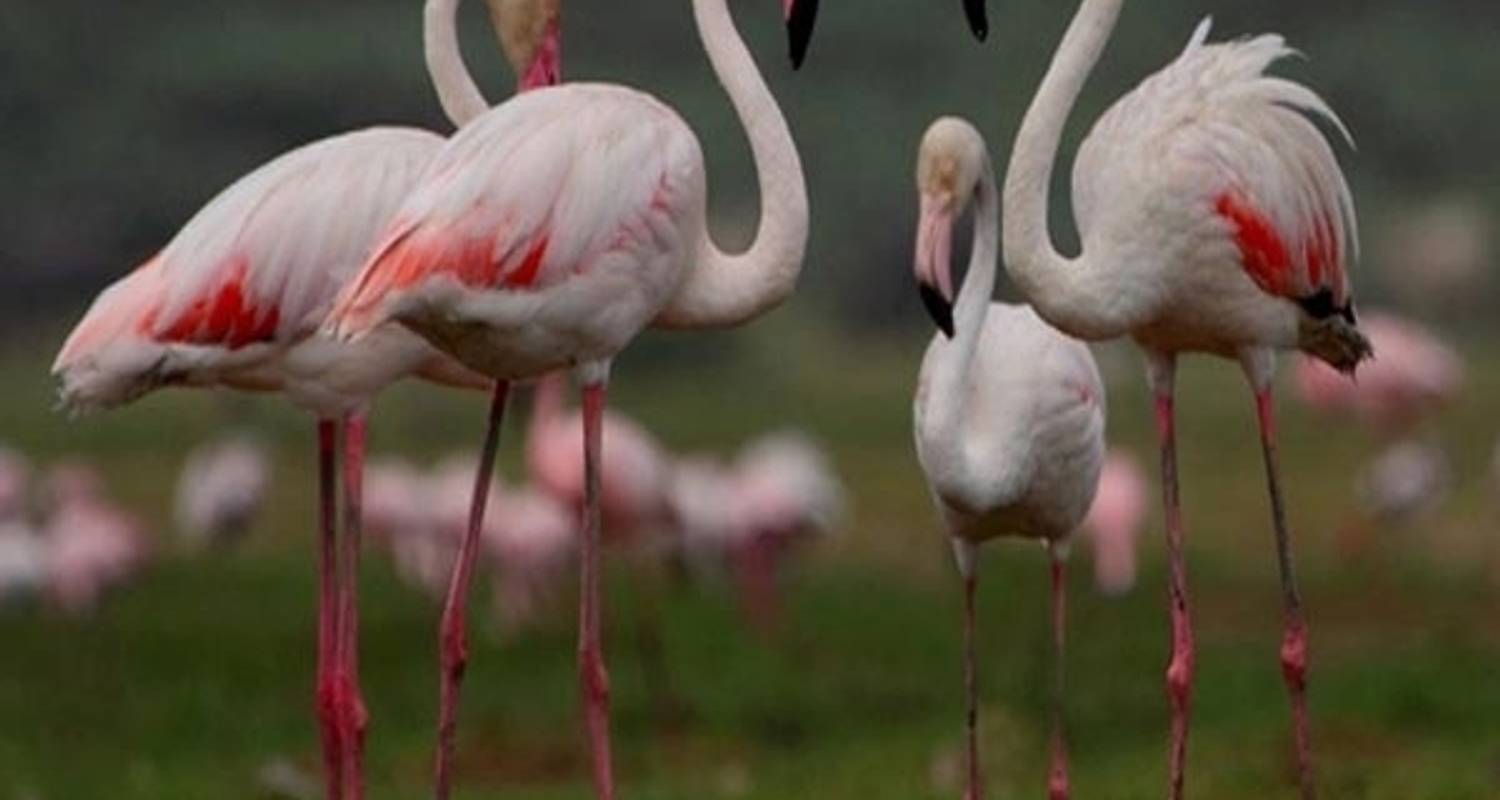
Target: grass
column 188, row 683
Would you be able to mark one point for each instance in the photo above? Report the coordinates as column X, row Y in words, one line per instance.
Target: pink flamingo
column 92, row 545
column 1009, row 412
column 221, row 490
column 236, row 300
column 1414, row 376
column 633, row 467
column 1214, row 218
column 550, row 232
column 23, row 552
column 1114, row 522
column 402, row 514
column 531, row 542
column 786, row 493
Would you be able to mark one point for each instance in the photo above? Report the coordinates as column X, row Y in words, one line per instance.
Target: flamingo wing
column 1213, row 118
column 261, row 264
column 534, row 193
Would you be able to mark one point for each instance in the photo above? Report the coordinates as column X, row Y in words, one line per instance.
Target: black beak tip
column 978, row 18
column 938, row 308
column 799, row 28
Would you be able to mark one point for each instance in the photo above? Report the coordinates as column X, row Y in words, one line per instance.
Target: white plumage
column 1009, row 412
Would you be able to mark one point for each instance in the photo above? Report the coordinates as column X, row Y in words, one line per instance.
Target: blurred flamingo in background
column 221, row 490
column 1414, row 375
column 1234, row 242
column 786, row 492
column 1115, row 520
column 1437, row 251
column 532, row 546
column 23, row 552
column 530, row 248
column 633, row 466
column 92, row 545
column 402, row 515
column 1009, row 412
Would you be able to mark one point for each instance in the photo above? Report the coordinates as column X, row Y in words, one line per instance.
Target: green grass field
column 186, row 684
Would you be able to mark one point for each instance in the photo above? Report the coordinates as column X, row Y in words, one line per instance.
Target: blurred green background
column 121, row 119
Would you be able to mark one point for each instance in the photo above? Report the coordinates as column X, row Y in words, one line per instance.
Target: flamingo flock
column 548, row 232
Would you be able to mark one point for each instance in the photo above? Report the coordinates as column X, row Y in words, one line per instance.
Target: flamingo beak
column 933, row 263
column 800, row 15
column 978, row 18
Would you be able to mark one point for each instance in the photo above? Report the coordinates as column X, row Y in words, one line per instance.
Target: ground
column 194, row 680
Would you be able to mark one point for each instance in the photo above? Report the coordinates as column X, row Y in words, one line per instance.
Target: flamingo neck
column 950, row 382
column 546, row 63
column 1055, row 284
column 547, row 408
column 461, row 98
column 722, row 290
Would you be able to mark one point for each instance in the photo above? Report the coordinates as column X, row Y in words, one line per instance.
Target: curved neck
column 462, row 101
column 969, row 312
column 720, row 289
column 1030, row 255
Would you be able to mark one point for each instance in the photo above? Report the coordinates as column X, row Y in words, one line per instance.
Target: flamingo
column 91, row 544
column 547, row 234
column 221, row 490
column 1214, row 218
column 1009, row 412
column 236, row 300
column 1416, row 375
column 23, row 561
column 633, row 468
column 786, row 492
column 1114, row 522
column 403, row 514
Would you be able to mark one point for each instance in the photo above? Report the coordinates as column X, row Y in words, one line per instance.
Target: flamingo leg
column 325, row 691
column 353, row 716
column 593, row 677
column 967, row 558
column 1294, row 637
column 1163, row 369
column 453, row 642
column 1058, row 785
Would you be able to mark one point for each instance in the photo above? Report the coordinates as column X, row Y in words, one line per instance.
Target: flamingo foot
column 1294, row 673
column 1058, row 785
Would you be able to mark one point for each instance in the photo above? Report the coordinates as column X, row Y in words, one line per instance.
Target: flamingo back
column 555, row 185
column 252, row 273
column 1233, row 157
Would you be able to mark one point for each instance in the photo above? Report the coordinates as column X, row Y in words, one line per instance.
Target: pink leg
column 326, row 691
column 1180, row 668
column 593, row 677
column 1294, row 638
column 1058, row 785
column 975, row 789
column 453, row 638
column 353, row 716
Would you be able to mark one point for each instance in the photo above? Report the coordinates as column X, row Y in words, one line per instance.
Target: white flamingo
column 221, row 490
column 548, row 234
column 1214, row 218
column 1009, row 412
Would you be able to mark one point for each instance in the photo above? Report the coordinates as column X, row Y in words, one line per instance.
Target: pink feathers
column 1294, row 271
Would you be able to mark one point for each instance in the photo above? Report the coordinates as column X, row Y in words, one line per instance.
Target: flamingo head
column 949, row 166
column 800, row 15
column 978, row 18
column 530, row 33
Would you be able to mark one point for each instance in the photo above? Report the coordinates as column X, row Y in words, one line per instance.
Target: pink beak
column 933, row 263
